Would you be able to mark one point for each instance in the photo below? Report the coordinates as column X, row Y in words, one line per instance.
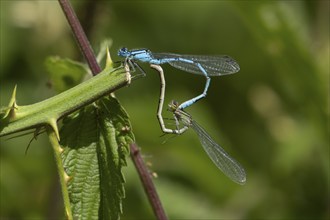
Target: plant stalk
column 148, row 185
column 51, row 110
column 61, row 172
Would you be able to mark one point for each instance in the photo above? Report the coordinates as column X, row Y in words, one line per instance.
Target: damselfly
column 220, row 158
column 197, row 64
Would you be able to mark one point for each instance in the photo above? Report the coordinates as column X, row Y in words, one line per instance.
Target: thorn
column 60, row 149
column 12, row 104
column 13, row 98
column 108, row 62
column 66, row 177
column 154, row 175
column 52, row 122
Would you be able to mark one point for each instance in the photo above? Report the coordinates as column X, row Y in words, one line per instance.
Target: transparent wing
column 220, row 158
column 214, row 65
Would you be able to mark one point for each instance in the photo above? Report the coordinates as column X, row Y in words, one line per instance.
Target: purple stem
column 80, row 36
column 148, row 185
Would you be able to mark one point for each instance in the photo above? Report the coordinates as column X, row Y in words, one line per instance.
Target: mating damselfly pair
column 197, row 64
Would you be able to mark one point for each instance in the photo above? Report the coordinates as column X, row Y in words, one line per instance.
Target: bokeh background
column 272, row 116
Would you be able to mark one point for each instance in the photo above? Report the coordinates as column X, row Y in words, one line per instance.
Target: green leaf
column 79, row 138
column 64, row 73
column 95, row 142
column 114, row 138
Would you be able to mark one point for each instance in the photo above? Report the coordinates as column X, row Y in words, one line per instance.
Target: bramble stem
column 63, row 177
column 49, row 111
column 80, row 36
column 148, row 185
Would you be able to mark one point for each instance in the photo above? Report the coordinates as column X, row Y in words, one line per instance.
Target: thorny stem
column 80, row 36
column 148, row 185
column 63, row 177
column 89, row 55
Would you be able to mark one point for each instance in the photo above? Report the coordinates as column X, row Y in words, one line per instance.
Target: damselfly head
column 172, row 106
column 123, row 52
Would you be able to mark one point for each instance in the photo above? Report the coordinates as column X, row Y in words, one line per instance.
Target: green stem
column 52, row 109
column 63, row 176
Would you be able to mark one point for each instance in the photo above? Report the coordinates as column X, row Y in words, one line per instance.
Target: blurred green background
column 272, row 116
